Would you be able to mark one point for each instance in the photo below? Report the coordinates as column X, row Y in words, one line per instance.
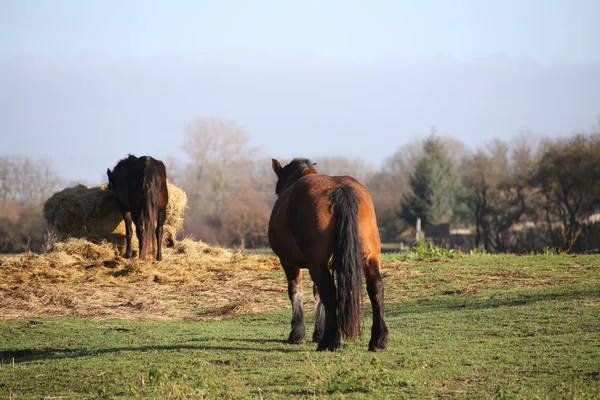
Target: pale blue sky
column 85, row 82
column 545, row 30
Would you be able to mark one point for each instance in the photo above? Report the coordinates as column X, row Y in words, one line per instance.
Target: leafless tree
column 567, row 176
column 246, row 215
column 25, row 183
column 26, row 180
column 496, row 193
column 218, row 150
column 356, row 167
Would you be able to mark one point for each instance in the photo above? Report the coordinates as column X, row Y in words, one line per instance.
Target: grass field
column 479, row 326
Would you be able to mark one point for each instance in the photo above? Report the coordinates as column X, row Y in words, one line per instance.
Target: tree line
column 25, row 183
column 516, row 195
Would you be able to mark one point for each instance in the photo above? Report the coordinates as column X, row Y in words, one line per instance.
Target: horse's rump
column 307, row 209
column 141, row 185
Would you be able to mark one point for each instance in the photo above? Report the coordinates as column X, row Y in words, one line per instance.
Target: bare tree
column 246, row 216
column 218, row 149
column 26, row 180
column 25, row 183
column 386, row 194
column 356, row 167
column 568, row 178
column 175, row 171
column 495, row 192
column 222, row 179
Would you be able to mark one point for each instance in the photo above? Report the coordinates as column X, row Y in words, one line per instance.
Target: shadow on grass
column 511, row 298
column 49, row 353
column 433, row 304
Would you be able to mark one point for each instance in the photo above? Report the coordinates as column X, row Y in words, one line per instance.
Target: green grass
column 476, row 327
column 258, row 251
column 422, row 251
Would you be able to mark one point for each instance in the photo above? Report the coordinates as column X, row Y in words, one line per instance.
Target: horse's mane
column 294, row 171
column 130, row 157
column 304, row 163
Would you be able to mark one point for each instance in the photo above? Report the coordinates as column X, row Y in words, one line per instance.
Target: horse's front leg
column 294, row 278
column 128, row 233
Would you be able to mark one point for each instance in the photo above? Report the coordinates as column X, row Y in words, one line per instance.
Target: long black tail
column 347, row 259
column 149, row 209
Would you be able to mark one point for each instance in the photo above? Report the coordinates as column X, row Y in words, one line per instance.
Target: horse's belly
column 285, row 247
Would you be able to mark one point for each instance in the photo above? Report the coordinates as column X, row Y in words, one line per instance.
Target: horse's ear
column 276, row 166
column 108, row 173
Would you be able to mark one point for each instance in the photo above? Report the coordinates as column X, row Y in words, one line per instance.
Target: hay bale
column 93, row 213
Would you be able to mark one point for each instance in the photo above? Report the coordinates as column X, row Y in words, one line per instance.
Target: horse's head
column 111, row 179
column 121, row 166
column 288, row 175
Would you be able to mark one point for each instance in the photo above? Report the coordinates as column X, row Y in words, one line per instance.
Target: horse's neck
column 299, row 175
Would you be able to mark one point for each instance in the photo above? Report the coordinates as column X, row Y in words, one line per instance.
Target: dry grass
column 93, row 213
column 194, row 281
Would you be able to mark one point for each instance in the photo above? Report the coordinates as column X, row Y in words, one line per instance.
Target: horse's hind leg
column 319, row 316
column 294, row 278
column 128, row 232
column 331, row 334
column 162, row 216
column 379, row 330
column 139, row 230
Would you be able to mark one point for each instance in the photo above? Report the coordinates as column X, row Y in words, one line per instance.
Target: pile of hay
column 194, row 281
column 93, row 213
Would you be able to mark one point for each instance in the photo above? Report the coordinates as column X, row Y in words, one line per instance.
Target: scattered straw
column 194, row 281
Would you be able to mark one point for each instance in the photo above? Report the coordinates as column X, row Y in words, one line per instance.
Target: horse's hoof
column 377, row 347
column 331, row 346
column 326, row 348
column 317, row 337
column 296, row 338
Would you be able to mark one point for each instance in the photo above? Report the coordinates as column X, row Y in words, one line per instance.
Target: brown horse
column 141, row 185
column 327, row 224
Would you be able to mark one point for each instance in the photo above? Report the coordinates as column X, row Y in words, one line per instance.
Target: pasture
column 205, row 323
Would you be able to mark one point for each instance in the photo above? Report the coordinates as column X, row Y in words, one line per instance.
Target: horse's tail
column 149, row 205
column 347, row 259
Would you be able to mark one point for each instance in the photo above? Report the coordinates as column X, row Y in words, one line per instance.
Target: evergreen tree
column 434, row 184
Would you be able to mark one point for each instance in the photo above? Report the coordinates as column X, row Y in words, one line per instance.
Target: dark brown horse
column 327, row 224
column 141, row 185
